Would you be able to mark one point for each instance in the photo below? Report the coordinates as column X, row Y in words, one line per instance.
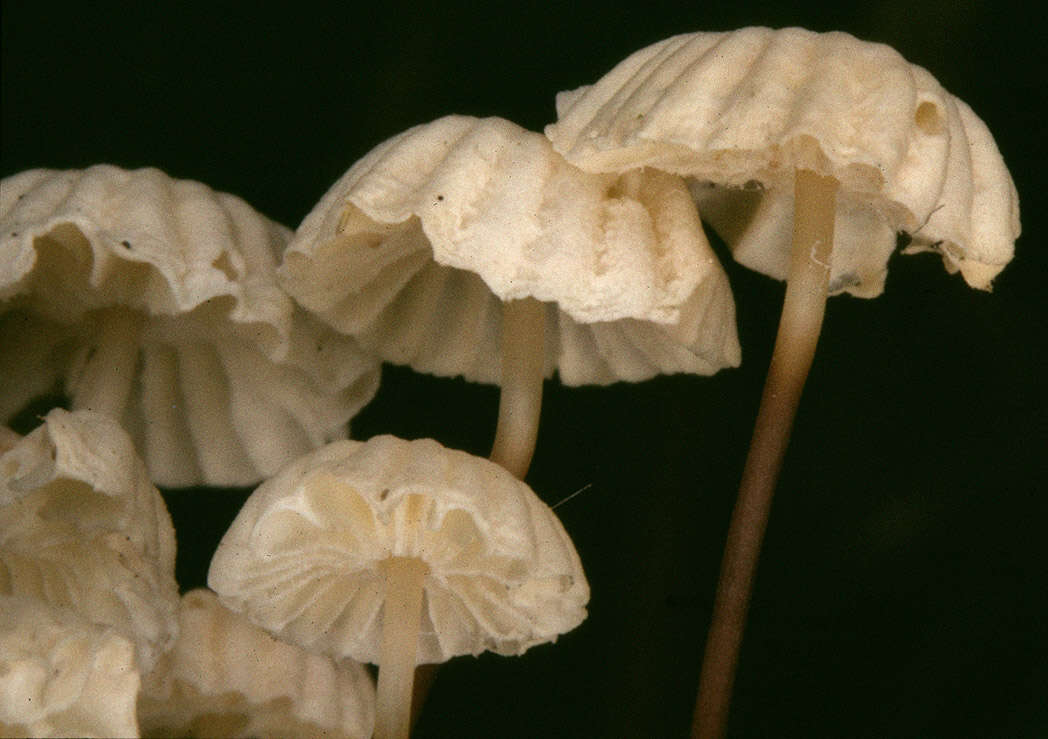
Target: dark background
column 902, row 585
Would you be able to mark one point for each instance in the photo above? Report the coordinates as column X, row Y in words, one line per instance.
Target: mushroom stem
column 104, row 383
column 401, row 615
column 799, row 327
column 520, row 402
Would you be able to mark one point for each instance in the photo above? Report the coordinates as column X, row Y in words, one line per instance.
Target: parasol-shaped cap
column 156, row 300
column 304, row 557
column 414, row 248
column 738, row 112
column 227, row 677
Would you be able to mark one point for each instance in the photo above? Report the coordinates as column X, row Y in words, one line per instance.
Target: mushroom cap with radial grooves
column 221, row 345
column 302, row 559
column 226, row 676
column 414, row 248
column 737, row 112
column 114, row 491
column 81, row 527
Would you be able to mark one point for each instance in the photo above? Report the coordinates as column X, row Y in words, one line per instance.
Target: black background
column 902, row 585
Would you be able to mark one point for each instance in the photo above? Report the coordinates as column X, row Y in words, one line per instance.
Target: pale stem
column 520, row 405
column 401, row 615
column 105, row 382
column 520, row 401
column 799, row 327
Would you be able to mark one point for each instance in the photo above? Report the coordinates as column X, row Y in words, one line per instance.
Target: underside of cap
column 738, row 112
column 416, row 247
column 225, row 378
column 304, row 556
column 140, row 239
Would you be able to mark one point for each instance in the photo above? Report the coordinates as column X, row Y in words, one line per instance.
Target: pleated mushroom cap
column 302, row 559
column 227, row 677
column 738, row 112
column 223, row 380
column 62, row 675
column 413, row 250
column 82, row 528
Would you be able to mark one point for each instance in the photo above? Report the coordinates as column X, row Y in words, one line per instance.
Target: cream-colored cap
column 183, row 279
column 62, row 675
column 738, row 112
column 413, row 250
column 304, row 556
column 81, row 527
column 227, row 677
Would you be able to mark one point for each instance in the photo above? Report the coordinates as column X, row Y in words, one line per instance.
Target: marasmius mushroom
column 400, row 553
column 822, row 140
column 465, row 240
column 82, row 528
column 155, row 300
column 227, row 677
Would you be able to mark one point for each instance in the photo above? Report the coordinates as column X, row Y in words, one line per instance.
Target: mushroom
column 62, row 675
column 400, row 553
column 463, row 240
column 227, row 677
column 154, row 300
column 82, row 528
column 822, row 140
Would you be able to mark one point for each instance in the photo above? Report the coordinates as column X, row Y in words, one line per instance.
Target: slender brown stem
column 520, row 400
column 799, row 327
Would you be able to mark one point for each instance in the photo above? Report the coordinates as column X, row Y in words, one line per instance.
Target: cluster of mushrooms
column 197, row 343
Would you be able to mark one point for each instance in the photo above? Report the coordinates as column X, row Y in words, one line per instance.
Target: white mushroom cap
column 227, row 677
column 302, row 558
column 413, row 250
column 82, row 527
column 737, row 112
column 61, row 675
column 143, row 240
column 80, row 468
column 182, row 279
